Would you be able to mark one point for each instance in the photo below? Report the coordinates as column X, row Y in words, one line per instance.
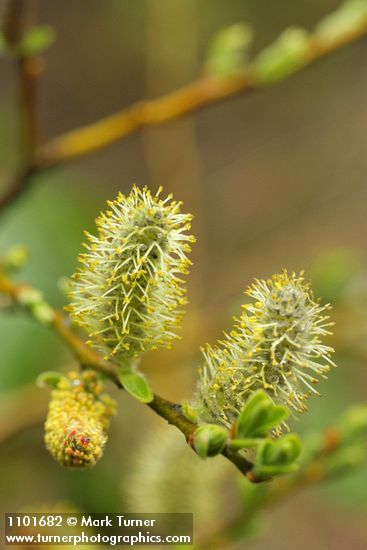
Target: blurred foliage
column 228, row 51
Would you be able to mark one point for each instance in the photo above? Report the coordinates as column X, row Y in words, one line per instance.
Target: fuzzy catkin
column 127, row 293
column 275, row 345
column 78, row 419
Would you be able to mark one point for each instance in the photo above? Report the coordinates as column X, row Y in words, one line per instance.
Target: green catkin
column 275, row 345
column 127, row 293
column 78, row 419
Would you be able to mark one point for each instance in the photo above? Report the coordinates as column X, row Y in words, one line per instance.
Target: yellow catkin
column 276, row 345
column 128, row 292
column 78, row 419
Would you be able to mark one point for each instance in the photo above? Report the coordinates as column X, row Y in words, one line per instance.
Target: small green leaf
column 282, row 451
column 37, row 40
column 277, row 457
column 349, row 16
column 210, row 440
column 15, row 258
column 43, row 313
column 282, row 58
column 276, row 415
column 253, row 415
column 228, row 50
column 353, row 424
column 29, row 296
column 136, row 384
column 345, row 460
column 48, row 379
column 32, row 299
column 259, row 416
column 189, row 412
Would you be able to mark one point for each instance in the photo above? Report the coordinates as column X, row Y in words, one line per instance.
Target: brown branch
column 87, row 139
column 28, row 68
column 87, row 357
column 90, row 138
column 14, row 22
column 17, row 187
column 310, row 474
column 197, row 95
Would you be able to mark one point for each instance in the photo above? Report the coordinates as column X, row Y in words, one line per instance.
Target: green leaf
column 252, row 415
column 276, row 415
column 29, row 296
column 48, row 379
column 259, row 416
column 32, row 299
column 344, row 20
column 210, row 440
column 15, row 258
column 277, row 456
column 136, row 385
column 227, row 52
column 345, row 460
column 189, row 412
column 37, row 40
column 285, row 56
column 353, row 424
column 282, row 451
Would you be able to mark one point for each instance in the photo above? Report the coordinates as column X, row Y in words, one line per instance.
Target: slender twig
column 17, row 187
column 200, row 93
column 88, row 357
column 312, row 473
column 27, row 68
column 83, row 141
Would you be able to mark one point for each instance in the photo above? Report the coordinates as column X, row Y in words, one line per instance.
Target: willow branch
column 27, row 68
column 312, row 473
column 199, row 94
column 87, row 357
column 19, row 184
column 85, row 140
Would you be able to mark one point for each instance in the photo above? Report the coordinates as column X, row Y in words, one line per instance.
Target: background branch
column 205, row 91
column 27, row 68
column 200, row 93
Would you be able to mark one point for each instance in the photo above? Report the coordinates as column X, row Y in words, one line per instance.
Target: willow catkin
column 275, row 346
column 128, row 293
column 78, row 419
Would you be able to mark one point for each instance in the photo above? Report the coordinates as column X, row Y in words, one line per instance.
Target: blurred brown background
column 275, row 178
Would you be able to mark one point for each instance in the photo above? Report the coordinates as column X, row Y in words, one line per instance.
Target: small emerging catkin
column 78, row 419
column 127, row 293
column 274, row 346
